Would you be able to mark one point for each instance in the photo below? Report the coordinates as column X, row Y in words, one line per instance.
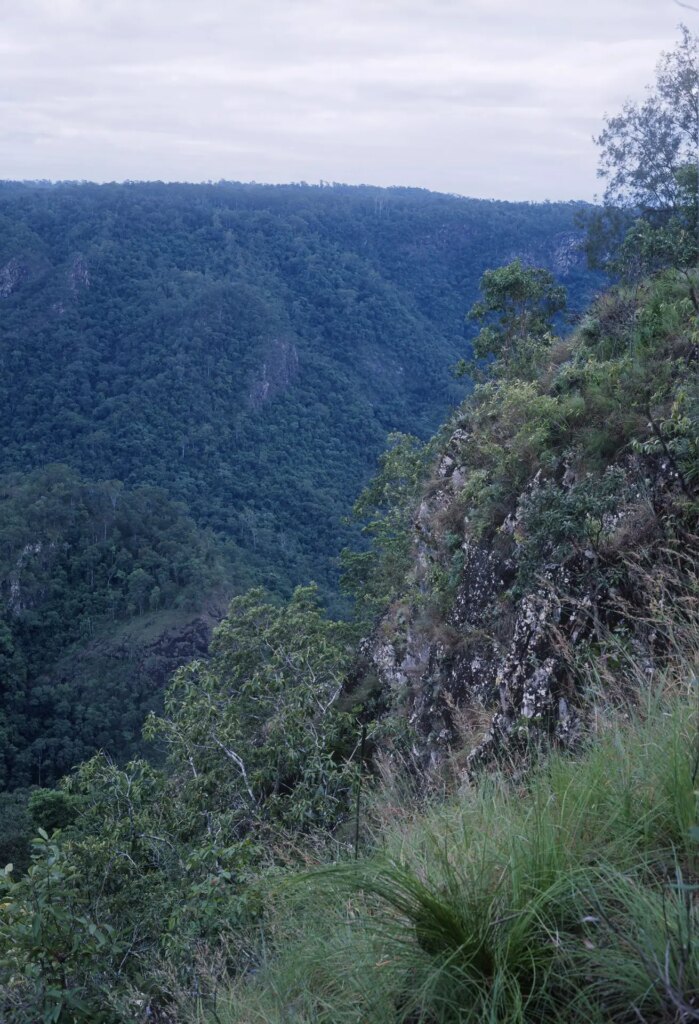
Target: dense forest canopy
column 534, row 570
column 77, row 560
column 246, row 347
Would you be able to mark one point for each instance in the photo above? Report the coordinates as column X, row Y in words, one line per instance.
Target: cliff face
column 507, row 603
column 11, row 275
column 492, row 656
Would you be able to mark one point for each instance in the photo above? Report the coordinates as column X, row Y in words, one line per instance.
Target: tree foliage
column 78, row 560
column 256, row 727
column 517, row 307
column 385, row 508
column 646, row 149
column 648, row 157
column 146, row 866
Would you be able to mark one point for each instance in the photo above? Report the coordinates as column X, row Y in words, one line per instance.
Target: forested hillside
column 534, row 570
column 80, row 564
column 243, row 348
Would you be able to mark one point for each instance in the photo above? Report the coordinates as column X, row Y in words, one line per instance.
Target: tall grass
column 567, row 892
column 565, row 897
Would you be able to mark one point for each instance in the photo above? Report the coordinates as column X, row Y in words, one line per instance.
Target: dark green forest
column 393, row 831
column 247, row 348
column 196, row 383
column 79, row 560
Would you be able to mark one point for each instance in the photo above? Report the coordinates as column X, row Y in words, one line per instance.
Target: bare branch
column 238, row 762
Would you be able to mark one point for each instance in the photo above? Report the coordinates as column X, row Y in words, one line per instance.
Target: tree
column 646, row 148
column 517, row 309
column 649, row 158
column 386, row 508
column 255, row 733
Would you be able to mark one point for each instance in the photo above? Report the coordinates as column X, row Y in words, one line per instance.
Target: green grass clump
column 566, row 895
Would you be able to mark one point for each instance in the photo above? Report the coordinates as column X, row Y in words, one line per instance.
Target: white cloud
column 482, row 97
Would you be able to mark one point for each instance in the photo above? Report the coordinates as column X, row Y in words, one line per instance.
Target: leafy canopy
column 254, row 730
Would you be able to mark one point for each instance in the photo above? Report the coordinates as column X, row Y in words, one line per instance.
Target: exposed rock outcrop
column 78, row 274
column 562, row 254
column 492, row 653
column 11, row 276
column 279, row 367
column 152, row 660
column 144, row 653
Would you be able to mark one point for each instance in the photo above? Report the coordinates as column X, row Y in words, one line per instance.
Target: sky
column 490, row 98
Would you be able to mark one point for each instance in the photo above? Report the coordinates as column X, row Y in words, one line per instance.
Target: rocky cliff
column 545, row 533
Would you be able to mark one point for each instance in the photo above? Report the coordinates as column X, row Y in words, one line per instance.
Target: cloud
column 481, row 97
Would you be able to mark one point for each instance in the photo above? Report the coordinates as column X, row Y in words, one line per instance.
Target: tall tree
column 647, row 148
column 649, row 157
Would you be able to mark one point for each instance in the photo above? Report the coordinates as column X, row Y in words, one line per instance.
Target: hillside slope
column 555, row 519
column 105, row 590
column 245, row 347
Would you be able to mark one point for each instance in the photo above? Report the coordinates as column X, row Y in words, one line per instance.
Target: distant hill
column 246, row 347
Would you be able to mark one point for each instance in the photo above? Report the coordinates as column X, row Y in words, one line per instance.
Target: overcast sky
column 492, row 98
